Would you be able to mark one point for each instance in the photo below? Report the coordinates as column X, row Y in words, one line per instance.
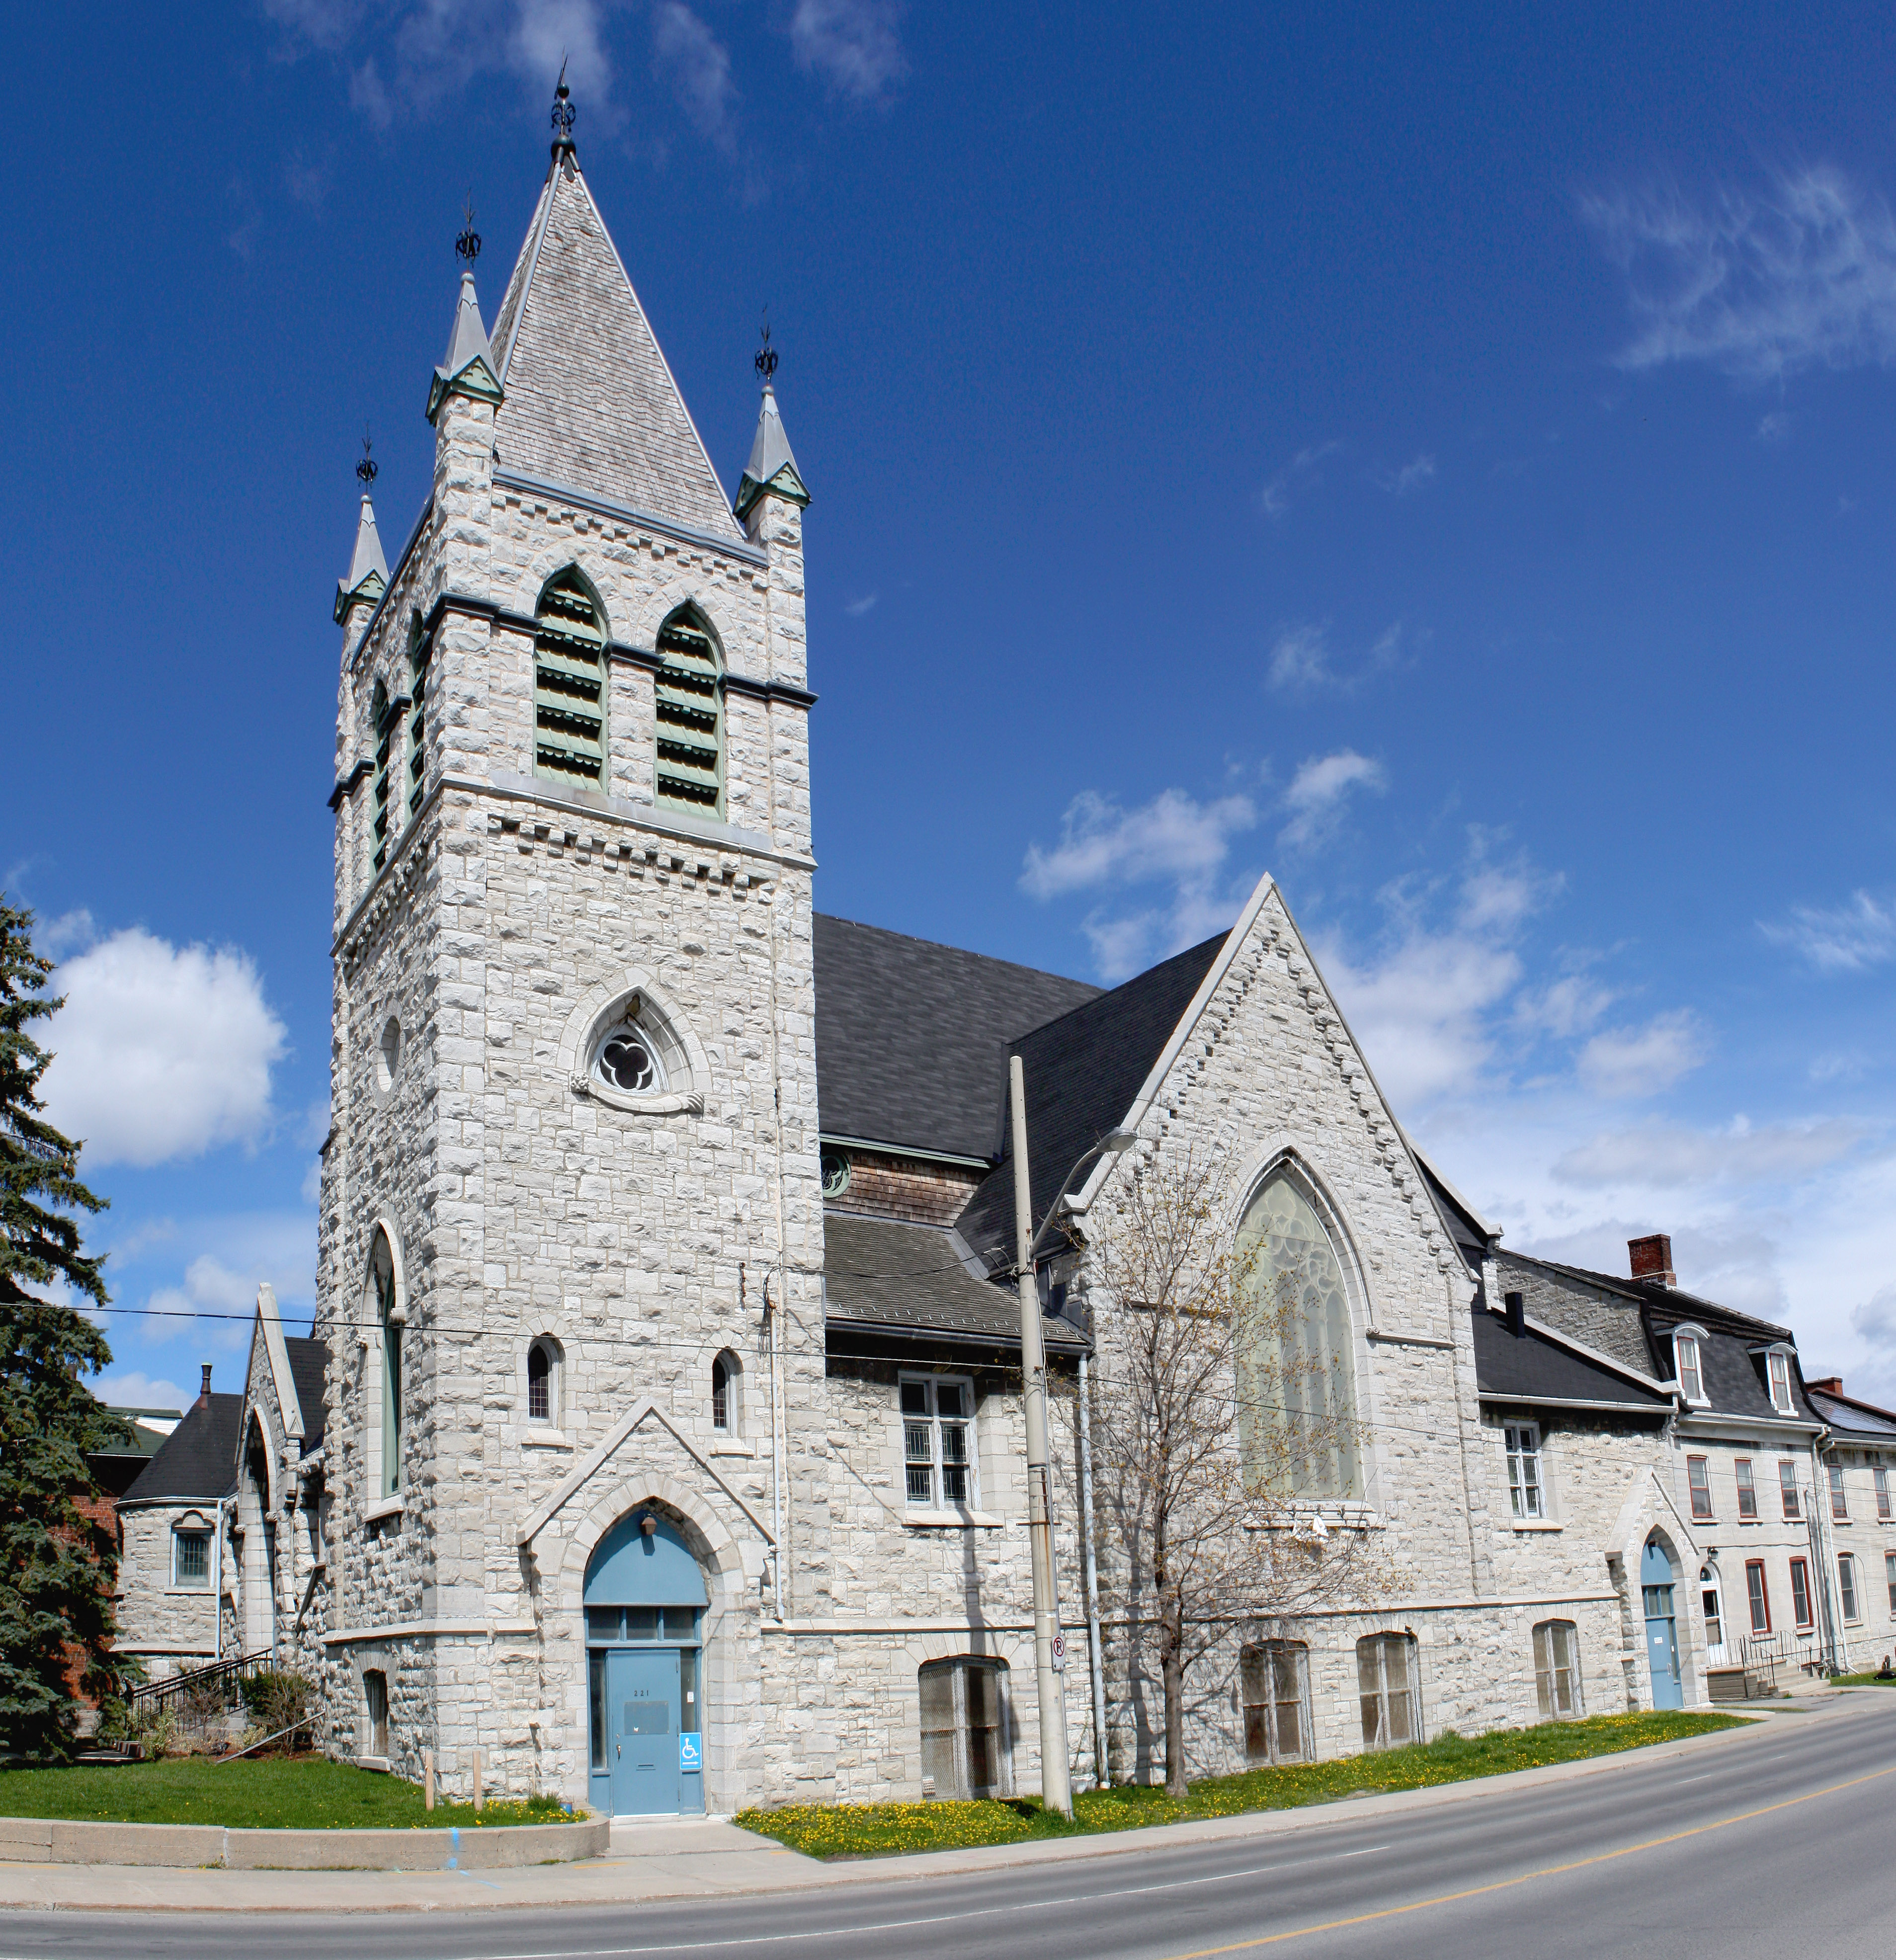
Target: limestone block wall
column 169, row 1627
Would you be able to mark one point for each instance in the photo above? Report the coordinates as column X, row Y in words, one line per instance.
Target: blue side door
column 642, row 1702
column 1662, row 1628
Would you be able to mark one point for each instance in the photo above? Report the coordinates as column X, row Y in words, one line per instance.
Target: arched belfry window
column 420, row 648
column 569, row 681
column 385, row 718
column 1297, row 1365
column 690, row 691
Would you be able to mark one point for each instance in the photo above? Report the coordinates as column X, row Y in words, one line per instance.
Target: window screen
column 965, row 1749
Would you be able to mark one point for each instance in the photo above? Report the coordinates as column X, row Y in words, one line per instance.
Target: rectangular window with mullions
column 1882, row 1491
column 1839, row 1502
column 1787, row 1490
column 1698, row 1475
column 1801, row 1593
column 1526, row 1490
column 1747, row 1489
column 937, row 1441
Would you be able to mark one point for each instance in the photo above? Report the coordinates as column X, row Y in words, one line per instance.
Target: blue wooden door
column 1656, row 1580
column 642, row 1704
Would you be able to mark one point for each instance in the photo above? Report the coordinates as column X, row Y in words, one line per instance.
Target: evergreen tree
column 58, row 1566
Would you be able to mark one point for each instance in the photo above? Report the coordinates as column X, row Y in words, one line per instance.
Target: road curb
column 57, row 1840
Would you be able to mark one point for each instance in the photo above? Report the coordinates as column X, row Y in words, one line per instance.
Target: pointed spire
column 368, row 569
column 469, row 369
column 771, row 466
column 563, row 114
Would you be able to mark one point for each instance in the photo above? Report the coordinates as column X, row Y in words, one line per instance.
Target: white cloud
column 70, row 932
column 1620, row 1062
column 851, row 44
column 127, row 1388
column 1301, row 662
column 1562, row 1008
column 1319, row 793
column 1666, row 1157
column 1841, row 939
column 1173, row 836
column 1412, row 476
column 1774, row 428
column 160, row 1052
column 1275, row 496
column 1800, row 275
column 697, row 64
column 856, row 608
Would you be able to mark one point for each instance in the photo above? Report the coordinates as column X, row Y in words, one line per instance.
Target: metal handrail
column 174, row 1687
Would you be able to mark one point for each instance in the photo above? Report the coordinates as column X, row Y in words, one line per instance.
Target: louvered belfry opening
column 691, row 717
column 569, row 683
column 387, row 717
column 420, row 648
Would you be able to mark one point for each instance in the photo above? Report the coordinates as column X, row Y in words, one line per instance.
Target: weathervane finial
column 468, row 246
column 766, row 361
column 563, row 111
column 365, row 470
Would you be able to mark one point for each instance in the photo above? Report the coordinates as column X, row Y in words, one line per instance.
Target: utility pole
column 1056, row 1778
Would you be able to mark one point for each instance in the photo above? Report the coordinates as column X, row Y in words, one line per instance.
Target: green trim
column 366, row 591
column 786, row 484
column 476, row 380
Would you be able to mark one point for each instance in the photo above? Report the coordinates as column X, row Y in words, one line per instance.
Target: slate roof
column 197, row 1461
column 1849, row 1417
column 308, row 1360
column 912, row 1038
column 907, row 1279
column 1529, row 1368
column 590, row 402
column 1082, row 1072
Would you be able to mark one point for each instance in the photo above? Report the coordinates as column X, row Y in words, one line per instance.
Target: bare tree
column 1214, row 1414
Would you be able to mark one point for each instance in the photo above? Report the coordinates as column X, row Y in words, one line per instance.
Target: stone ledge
column 56, row 1840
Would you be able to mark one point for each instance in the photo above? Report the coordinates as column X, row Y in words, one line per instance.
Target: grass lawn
column 295, row 1793
column 874, row 1830
column 1861, row 1681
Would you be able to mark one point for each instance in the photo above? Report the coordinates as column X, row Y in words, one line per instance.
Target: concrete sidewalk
column 700, row 1858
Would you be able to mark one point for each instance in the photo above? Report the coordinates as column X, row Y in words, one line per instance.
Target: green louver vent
column 388, row 729
column 569, row 684
column 418, row 655
column 691, row 720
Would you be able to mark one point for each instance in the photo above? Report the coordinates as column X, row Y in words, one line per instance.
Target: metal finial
column 468, row 246
column 563, row 109
column 766, row 361
column 365, row 470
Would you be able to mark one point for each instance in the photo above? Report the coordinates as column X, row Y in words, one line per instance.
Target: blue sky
column 1442, row 457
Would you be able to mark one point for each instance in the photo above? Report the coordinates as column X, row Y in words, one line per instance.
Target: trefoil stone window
column 1557, row 1669
column 1389, row 1690
column 636, row 1062
column 965, row 1748
column 937, row 1441
column 1276, row 1681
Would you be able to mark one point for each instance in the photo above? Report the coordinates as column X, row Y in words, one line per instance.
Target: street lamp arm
column 1114, row 1141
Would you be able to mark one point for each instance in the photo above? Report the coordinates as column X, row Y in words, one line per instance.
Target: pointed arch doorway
column 1658, row 1584
column 645, row 1599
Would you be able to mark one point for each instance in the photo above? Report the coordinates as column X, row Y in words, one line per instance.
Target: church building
column 666, row 1454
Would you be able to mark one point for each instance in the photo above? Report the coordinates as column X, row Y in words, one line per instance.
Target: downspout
column 776, row 1458
column 1822, row 1559
column 1102, row 1777
column 217, row 1584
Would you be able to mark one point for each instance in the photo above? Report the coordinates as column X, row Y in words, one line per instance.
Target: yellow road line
column 1527, row 1877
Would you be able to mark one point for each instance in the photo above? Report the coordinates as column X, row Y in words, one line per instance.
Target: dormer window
column 1687, row 1364
column 1778, row 1370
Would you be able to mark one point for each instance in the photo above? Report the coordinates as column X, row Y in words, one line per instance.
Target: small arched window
column 690, row 707
column 375, row 1708
column 1297, row 1363
column 569, row 681
column 539, row 1382
column 726, row 1376
column 389, row 1316
column 385, row 720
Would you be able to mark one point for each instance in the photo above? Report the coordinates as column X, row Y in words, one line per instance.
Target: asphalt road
column 1787, row 1846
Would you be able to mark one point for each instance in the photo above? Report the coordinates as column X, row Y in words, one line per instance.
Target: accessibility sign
column 691, row 1756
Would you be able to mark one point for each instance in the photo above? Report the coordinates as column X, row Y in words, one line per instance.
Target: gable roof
column 912, row 1038
column 198, row 1460
column 901, row 1278
column 309, row 1363
column 1535, row 1365
column 1847, row 1416
column 590, row 402
column 1083, row 1073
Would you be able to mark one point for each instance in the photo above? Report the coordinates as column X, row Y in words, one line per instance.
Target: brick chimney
column 1652, row 1258
column 1831, row 1385
column 204, row 1394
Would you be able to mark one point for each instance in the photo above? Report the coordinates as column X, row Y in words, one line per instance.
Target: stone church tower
column 571, row 1211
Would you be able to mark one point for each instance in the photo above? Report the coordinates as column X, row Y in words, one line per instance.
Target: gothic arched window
column 690, row 691
column 1297, row 1366
column 388, row 1313
column 419, row 648
column 569, row 681
column 385, row 720
column 726, row 1376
